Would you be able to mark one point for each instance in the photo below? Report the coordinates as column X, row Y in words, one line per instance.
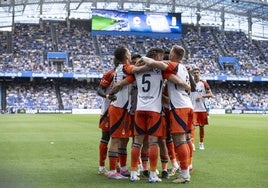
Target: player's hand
column 115, row 88
column 186, row 86
column 111, row 97
column 145, row 60
column 189, row 68
column 139, row 62
column 197, row 99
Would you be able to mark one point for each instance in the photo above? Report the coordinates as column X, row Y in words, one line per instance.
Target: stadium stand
column 92, row 55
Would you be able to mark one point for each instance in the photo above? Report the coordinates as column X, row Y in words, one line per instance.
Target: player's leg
column 103, row 149
column 189, row 140
column 203, row 119
column 145, row 156
column 135, row 157
column 183, row 153
column 201, row 134
column 154, row 130
column 122, row 150
column 139, row 134
column 103, row 144
column 179, row 127
column 163, row 157
column 122, row 154
column 117, row 133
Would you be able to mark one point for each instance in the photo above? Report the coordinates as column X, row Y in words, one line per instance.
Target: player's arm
column 103, row 92
column 137, row 68
column 153, row 63
column 165, row 99
column 177, row 80
column 208, row 94
column 119, row 85
column 140, row 68
column 191, row 79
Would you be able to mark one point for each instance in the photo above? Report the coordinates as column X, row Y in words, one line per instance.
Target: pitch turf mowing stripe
column 62, row 151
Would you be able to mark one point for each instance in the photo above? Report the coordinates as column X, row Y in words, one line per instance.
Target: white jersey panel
column 199, row 106
column 124, row 94
column 133, row 98
column 150, row 85
column 179, row 98
column 105, row 105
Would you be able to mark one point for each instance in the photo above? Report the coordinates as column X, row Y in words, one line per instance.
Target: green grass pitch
column 101, row 23
column 61, row 151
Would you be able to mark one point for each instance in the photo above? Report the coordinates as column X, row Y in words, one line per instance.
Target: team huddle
column 157, row 102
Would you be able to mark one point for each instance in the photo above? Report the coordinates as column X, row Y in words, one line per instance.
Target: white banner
column 86, row 111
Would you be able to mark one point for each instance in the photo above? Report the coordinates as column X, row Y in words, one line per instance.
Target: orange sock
column 135, row 156
column 103, row 148
column 113, row 158
column 122, row 155
column 153, row 155
column 193, row 135
column 164, row 161
column 201, row 133
column 144, row 159
column 183, row 154
column 190, row 146
column 171, row 151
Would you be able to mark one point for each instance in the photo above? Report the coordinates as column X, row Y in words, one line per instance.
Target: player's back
column 179, row 97
column 106, row 81
column 149, row 90
column 123, row 95
column 200, row 90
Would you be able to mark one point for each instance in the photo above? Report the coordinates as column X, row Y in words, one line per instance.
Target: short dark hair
column 119, row 55
column 134, row 56
column 179, row 51
column 154, row 51
column 166, row 54
column 196, row 69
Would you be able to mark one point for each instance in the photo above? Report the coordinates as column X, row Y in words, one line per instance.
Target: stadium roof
column 236, row 12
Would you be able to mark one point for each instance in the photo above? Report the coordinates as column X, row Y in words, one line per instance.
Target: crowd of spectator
column 31, row 96
column 43, row 96
column 93, row 54
column 239, row 96
column 89, row 53
column 82, row 95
